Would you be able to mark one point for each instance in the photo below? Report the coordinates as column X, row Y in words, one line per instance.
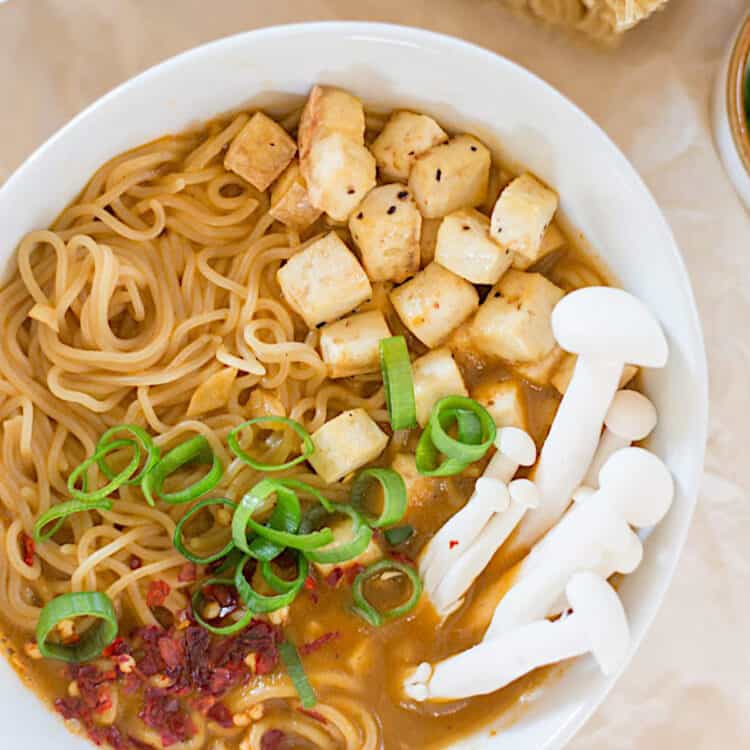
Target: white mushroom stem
column 607, row 328
column 631, row 417
column 598, row 625
column 514, row 448
column 456, row 581
column 595, row 535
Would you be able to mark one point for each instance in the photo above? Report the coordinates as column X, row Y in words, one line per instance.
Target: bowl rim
column 418, row 37
column 734, row 95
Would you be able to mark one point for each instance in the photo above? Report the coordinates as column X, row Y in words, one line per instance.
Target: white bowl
column 528, row 123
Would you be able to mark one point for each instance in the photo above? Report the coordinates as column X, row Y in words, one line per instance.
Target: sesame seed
column 391, row 210
column 438, row 174
column 360, row 215
column 350, row 191
column 473, row 148
column 466, row 227
column 403, row 195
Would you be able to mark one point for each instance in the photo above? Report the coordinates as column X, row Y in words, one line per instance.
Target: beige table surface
column 689, row 686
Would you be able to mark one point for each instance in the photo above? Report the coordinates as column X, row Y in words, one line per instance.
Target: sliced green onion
column 260, row 603
column 61, row 511
column 398, row 535
column 282, row 585
column 308, row 489
column 446, row 412
column 228, row 563
column 469, row 428
column 254, row 500
column 304, row 435
column 145, row 441
column 195, row 450
column 297, row 675
column 72, row 605
column 394, row 495
column 366, row 611
column 197, row 602
column 338, row 552
column 286, row 516
column 427, row 458
column 115, row 482
column 179, row 543
column 397, row 379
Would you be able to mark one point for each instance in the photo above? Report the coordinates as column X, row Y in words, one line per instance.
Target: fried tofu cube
column 341, row 533
column 346, row 443
column 522, row 214
column 405, row 136
column 351, row 346
column 324, row 281
column 434, row 303
column 561, row 378
column 465, row 247
column 505, row 401
column 290, row 201
column 339, row 173
column 513, row 323
column 542, row 371
column 386, row 227
column 428, row 240
column 330, row 110
column 553, row 240
column 420, row 490
column 435, row 375
column 260, row 152
column 450, row 176
column 212, row 393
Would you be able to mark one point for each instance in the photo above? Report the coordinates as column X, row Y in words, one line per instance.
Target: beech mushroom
column 607, row 328
column 631, row 417
column 595, row 535
column 491, row 497
column 598, row 626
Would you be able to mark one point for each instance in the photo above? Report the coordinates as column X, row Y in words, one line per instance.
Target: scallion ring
column 145, row 441
column 67, row 607
column 286, row 516
column 115, row 482
column 282, row 585
column 399, row 534
column 427, row 458
column 338, row 551
column 197, row 602
column 179, row 542
column 195, row 450
column 296, row 672
column 304, row 435
column 256, row 499
column 58, row 513
column 445, row 412
column 260, row 603
column 397, row 380
column 394, row 495
column 362, row 606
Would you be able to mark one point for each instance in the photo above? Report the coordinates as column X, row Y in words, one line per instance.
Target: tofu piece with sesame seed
column 434, row 303
column 505, row 401
column 522, row 214
column 330, row 110
column 386, row 228
column 324, row 281
column 405, row 136
column 339, row 173
column 346, row 443
column 351, row 346
column 465, row 247
column 435, row 375
column 290, row 201
column 260, row 152
column 451, row 176
column 513, row 323
column 553, row 240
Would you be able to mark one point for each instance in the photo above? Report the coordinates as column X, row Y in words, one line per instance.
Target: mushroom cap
column 639, row 484
column 524, row 492
column 517, row 444
column 604, row 322
column 631, row 416
column 599, row 612
column 493, row 493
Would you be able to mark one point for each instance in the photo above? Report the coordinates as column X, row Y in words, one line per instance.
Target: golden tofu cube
column 351, row 346
column 290, row 201
column 505, row 401
column 435, row 375
column 553, row 240
column 260, row 152
column 330, row 110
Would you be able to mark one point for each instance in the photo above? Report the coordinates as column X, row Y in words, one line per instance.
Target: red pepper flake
column 308, row 648
column 273, row 739
column 116, row 648
column 401, row 557
column 221, row 715
column 353, row 571
column 135, row 562
column 171, row 651
column 188, row 573
column 28, row 547
column 453, row 543
column 313, row 715
column 334, row 577
column 158, row 591
column 104, row 700
column 310, row 583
